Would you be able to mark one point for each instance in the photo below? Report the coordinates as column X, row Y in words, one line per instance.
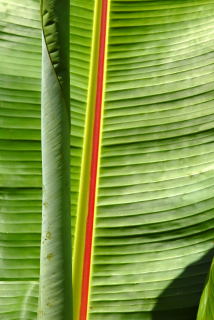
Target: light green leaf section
column 55, row 300
column 20, row 159
column 206, row 307
column 155, row 207
column 81, row 80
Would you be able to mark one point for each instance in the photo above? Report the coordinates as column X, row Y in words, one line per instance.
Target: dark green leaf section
column 55, row 260
column 155, row 204
column 20, row 159
column 55, row 24
column 206, row 307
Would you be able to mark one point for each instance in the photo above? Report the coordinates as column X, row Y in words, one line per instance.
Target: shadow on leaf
column 180, row 300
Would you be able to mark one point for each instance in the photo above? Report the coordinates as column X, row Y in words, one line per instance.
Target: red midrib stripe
column 94, row 164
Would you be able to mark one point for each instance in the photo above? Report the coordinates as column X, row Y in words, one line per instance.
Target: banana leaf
column 20, row 159
column 152, row 224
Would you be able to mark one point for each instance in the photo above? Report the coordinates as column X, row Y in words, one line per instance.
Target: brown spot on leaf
column 49, row 304
column 48, row 236
column 50, row 256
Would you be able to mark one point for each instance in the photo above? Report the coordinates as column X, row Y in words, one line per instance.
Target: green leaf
column 20, row 159
column 206, row 307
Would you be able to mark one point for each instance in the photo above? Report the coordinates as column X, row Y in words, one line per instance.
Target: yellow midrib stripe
column 82, row 206
column 101, row 133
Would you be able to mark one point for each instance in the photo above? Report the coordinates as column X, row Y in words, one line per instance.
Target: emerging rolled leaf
column 55, row 260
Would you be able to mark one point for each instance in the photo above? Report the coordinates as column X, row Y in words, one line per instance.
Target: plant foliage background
column 154, row 227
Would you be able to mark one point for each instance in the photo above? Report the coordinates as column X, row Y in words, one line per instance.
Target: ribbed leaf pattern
column 81, row 25
column 155, row 194
column 20, row 160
